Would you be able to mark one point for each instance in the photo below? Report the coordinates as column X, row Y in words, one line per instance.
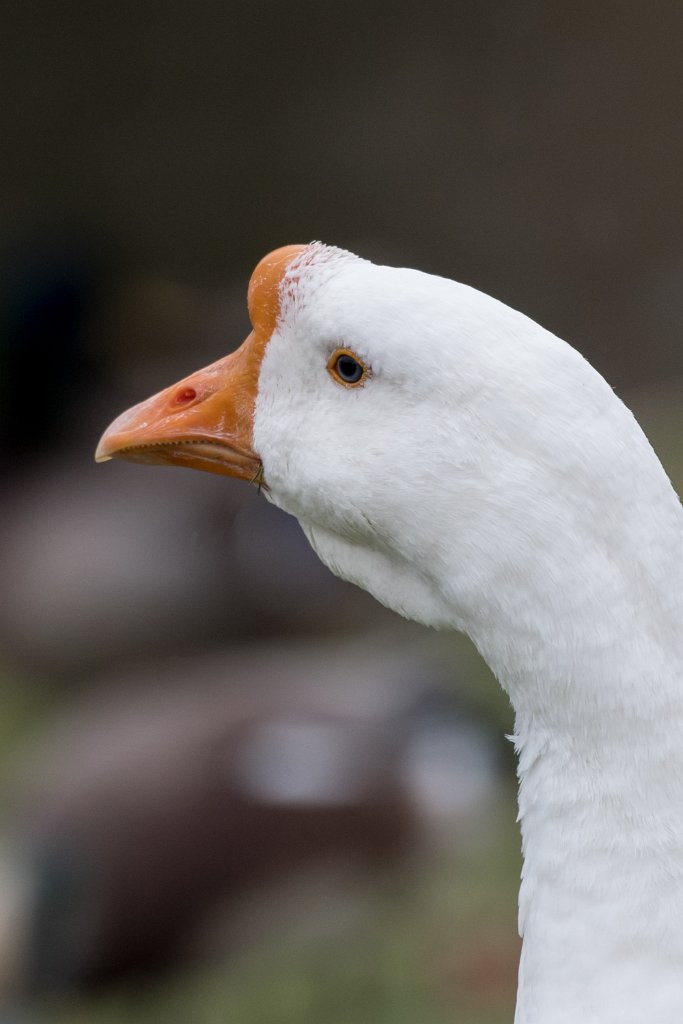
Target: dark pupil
column 349, row 369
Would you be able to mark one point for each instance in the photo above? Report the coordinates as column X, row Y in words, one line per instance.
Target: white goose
column 473, row 472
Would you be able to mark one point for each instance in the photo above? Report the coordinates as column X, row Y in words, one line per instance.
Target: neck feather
column 595, row 679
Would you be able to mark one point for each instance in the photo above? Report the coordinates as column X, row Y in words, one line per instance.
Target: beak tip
column 101, row 453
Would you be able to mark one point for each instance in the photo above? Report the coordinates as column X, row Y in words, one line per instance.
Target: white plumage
column 484, row 477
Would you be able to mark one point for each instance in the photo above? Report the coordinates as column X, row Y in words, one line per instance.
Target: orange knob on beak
column 206, row 420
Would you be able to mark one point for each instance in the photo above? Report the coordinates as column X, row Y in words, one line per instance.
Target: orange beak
column 206, row 420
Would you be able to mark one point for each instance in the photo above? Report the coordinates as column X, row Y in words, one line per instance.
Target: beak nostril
column 184, row 396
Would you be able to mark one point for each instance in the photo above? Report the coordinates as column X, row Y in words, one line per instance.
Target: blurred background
column 232, row 787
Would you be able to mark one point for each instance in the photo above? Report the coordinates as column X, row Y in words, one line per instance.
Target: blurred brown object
column 482, row 973
column 200, row 783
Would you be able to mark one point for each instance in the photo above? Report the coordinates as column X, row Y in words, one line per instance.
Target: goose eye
column 346, row 368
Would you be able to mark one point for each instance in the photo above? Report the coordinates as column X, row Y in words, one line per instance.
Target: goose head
column 439, row 449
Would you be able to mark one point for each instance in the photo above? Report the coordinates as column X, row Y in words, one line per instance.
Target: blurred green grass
column 437, row 947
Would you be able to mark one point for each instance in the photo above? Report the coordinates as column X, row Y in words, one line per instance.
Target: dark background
column 531, row 149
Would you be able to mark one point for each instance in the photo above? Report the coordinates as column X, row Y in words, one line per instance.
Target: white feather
column 486, row 478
